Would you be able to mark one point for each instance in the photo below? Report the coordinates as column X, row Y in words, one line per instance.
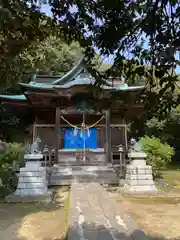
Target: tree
column 166, row 130
column 139, row 33
column 21, row 25
column 55, row 57
column 51, row 56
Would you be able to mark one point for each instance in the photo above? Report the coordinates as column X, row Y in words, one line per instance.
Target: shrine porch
column 87, row 157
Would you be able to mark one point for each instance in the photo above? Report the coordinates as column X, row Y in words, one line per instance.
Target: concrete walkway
column 95, row 215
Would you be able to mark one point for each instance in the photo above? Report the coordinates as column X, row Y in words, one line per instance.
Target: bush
column 4, row 191
column 12, row 152
column 159, row 154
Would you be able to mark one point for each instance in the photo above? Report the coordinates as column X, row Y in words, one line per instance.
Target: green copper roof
column 75, row 77
column 73, row 73
column 14, row 97
column 80, row 81
column 37, row 85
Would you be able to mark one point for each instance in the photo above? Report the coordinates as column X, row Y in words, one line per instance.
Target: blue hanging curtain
column 77, row 141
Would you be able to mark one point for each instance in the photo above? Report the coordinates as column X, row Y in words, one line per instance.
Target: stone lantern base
column 32, row 182
column 139, row 175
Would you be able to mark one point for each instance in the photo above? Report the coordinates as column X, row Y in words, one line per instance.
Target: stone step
column 66, row 169
column 105, row 177
column 64, row 181
column 61, row 175
column 84, row 174
column 92, row 163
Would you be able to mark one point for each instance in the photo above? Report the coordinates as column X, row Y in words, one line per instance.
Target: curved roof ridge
column 47, row 76
column 68, row 77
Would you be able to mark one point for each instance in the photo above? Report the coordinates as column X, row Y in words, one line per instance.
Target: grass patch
column 157, row 216
column 172, row 177
column 39, row 221
column 170, row 181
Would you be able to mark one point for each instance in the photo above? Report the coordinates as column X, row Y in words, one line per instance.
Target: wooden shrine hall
column 75, row 122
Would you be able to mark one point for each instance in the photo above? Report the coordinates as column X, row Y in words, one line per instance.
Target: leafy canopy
column 21, row 25
column 144, row 37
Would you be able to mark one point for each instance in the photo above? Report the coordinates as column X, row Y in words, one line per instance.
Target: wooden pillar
column 108, row 137
column 125, row 134
column 57, row 132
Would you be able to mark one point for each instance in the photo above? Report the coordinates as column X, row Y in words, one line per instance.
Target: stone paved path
column 95, row 215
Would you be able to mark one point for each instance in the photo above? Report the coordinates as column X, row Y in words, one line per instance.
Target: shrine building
column 74, row 120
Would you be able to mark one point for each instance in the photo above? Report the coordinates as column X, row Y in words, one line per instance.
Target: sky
column 46, row 9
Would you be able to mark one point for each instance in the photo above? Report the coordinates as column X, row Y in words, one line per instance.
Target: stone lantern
column 138, row 174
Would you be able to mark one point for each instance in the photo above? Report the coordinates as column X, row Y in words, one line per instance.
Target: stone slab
column 35, row 164
column 31, row 192
column 94, row 215
column 32, row 179
column 33, row 169
column 31, row 174
column 138, row 162
column 62, row 182
column 47, row 197
column 139, row 177
column 31, row 185
column 132, row 167
column 34, row 156
column 143, row 188
column 137, row 155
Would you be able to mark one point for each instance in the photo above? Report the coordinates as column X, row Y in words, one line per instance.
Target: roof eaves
column 13, row 97
column 36, row 85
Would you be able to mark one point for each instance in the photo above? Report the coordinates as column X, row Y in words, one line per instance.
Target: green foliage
column 4, row 191
column 12, row 152
column 167, row 130
column 50, row 57
column 159, row 154
column 22, row 24
column 14, row 123
column 7, row 119
column 138, row 33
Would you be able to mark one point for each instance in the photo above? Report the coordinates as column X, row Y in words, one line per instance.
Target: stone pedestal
column 32, row 178
column 139, row 175
column 32, row 182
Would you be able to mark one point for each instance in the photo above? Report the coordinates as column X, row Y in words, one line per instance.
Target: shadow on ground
column 28, row 221
column 101, row 232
